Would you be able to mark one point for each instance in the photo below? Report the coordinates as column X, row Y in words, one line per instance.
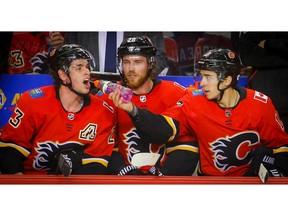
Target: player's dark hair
column 61, row 57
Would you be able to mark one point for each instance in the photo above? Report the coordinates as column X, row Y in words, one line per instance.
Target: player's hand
column 55, row 39
column 119, row 102
column 265, row 156
column 66, row 161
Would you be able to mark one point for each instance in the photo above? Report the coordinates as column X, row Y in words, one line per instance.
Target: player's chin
column 131, row 81
column 206, row 93
column 209, row 96
column 85, row 91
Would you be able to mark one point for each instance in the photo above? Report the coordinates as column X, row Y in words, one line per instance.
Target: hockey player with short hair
column 238, row 130
column 136, row 63
column 60, row 128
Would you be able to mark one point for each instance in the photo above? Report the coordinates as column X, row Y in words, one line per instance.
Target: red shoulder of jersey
column 104, row 100
column 171, row 86
column 38, row 96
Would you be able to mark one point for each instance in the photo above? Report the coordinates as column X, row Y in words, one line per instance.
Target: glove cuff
column 126, row 170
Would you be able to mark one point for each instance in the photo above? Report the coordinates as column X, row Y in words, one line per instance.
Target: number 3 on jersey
column 15, row 122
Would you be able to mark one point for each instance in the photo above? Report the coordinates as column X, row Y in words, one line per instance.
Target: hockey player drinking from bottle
column 136, row 154
column 238, row 129
column 60, row 128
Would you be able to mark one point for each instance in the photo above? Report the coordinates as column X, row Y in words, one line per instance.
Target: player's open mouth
column 86, row 81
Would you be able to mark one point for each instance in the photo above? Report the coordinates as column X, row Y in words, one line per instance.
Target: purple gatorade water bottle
column 107, row 87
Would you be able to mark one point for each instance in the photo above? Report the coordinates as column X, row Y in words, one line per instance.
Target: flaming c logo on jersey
column 233, row 150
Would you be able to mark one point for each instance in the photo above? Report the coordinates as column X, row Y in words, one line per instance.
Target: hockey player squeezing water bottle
column 60, row 129
column 238, row 130
column 136, row 153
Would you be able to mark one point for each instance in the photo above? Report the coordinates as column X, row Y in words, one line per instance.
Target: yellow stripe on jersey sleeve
column 172, row 125
column 95, row 160
column 183, row 147
column 17, row 147
column 280, row 149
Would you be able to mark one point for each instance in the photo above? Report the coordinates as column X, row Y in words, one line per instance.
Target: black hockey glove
column 66, row 162
column 265, row 156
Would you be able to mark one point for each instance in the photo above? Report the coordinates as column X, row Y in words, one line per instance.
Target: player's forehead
column 80, row 62
column 134, row 57
column 207, row 73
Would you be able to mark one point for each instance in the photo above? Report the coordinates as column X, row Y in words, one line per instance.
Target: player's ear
column 62, row 75
column 227, row 81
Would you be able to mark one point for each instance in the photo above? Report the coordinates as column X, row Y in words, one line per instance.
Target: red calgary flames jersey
column 40, row 128
column 130, row 141
column 24, row 46
column 227, row 135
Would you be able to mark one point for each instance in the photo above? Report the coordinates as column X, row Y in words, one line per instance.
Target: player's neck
column 230, row 98
column 145, row 88
column 70, row 101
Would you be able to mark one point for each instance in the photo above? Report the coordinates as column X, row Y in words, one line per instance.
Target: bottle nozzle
column 107, row 87
column 97, row 83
